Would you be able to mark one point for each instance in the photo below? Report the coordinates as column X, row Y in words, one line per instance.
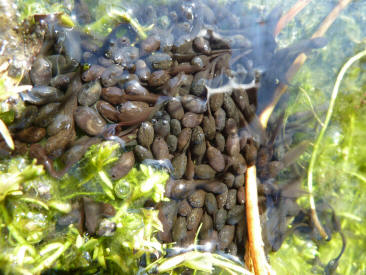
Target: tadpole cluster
column 189, row 94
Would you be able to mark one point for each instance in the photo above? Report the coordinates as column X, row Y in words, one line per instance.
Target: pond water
column 191, row 88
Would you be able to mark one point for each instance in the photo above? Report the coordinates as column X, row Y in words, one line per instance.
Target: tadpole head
column 331, row 267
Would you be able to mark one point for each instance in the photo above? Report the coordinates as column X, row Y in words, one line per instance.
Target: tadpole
column 332, row 265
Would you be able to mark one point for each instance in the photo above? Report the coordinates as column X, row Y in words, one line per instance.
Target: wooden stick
column 256, row 246
column 255, row 257
column 288, row 16
column 247, row 257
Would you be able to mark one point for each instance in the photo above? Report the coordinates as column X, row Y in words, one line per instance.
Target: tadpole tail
column 332, row 265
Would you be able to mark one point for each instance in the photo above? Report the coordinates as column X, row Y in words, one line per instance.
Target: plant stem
column 346, row 152
column 311, row 106
column 12, row 230
column 133, row 22
column 106, row 184
column 38, row 202
column 71, row 196
column 320, row 138
column 256, row 246
column 51, row 259
column 6, row 135
column 288, row 16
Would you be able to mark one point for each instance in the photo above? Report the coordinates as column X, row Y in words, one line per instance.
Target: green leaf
column 63, row 207
column 6, row 135
column 8, row 116
column 100, row 257
column 10, row 181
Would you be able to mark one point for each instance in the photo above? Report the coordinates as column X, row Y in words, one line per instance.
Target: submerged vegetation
column 338, row 176
column 338, row 181
column 32, row 202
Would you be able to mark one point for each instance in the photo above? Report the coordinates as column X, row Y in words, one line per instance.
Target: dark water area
column 183, row 86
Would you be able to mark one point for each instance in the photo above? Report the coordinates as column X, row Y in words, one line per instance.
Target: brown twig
column 256, row 247
column 255, row 257
column 288, row 16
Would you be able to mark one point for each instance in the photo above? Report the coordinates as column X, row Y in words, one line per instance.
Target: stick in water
column 288, row 16
column 256, row 246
